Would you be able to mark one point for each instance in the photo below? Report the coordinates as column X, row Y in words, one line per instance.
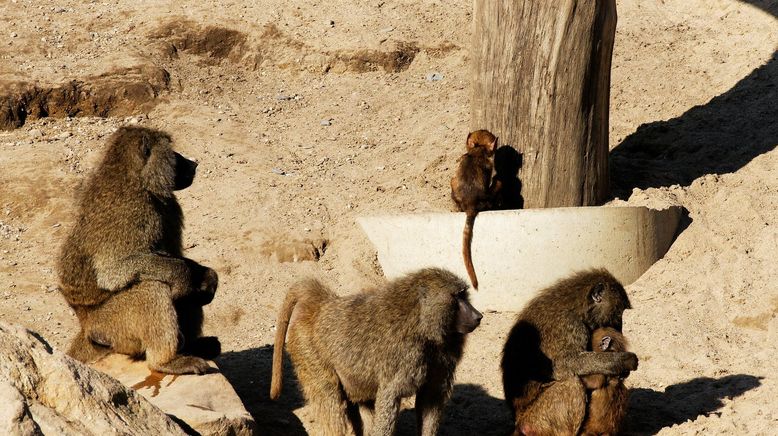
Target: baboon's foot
column 183, row 365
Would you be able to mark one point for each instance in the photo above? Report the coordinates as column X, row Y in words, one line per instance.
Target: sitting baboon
column 471, row 188
column 609, row 397
column 374, row 348
column 121, row 267
column 546, row 352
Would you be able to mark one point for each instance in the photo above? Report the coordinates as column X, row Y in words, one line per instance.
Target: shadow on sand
column 650, row 411
column 719, row 137
column 248, row 371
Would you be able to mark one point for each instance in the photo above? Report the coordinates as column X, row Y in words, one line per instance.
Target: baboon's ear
column 596, row 293
column 493, row 144
column 605, row 343
column 145, row 146
column 469, row 141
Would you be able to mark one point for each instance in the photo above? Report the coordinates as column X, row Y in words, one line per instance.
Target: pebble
column 64, row 135
column 278, row 171
column 14, row 35
column 434, row 77
column 326, row 122
column 35, row 133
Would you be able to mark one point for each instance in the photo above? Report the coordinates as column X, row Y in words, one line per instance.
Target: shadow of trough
column 718, row 137
column 650, row 411
column 248, row 371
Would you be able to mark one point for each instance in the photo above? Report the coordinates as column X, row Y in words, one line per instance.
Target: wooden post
column 541, row 82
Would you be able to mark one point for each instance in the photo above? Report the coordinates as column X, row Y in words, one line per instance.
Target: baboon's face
column 467, row 317
column 185, row 172
column 607, row 303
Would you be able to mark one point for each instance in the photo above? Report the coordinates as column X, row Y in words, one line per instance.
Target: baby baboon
column 121, row 268
column 471, row 188
column 546, row 352
column 609, row 396
column 374, row 348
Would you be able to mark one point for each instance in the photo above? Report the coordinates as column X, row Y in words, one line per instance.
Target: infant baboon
column 471, row 188
column 121, row 267
column 374, row 348
column 609, row 396
column 546, row 352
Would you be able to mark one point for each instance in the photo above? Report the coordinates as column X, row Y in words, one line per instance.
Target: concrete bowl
column 519, row 252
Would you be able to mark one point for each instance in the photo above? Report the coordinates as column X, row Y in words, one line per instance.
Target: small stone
column 327, row 122
column 35, row 133
column 64, row 135
column 331, row 23
column 434, row 77
column 14, row 35
column 278, row 171
column 133, row 121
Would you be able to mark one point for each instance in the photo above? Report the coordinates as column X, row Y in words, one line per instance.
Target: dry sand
column 694, row 122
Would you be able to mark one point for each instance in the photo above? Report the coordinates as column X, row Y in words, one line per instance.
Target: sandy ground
column 694, row 122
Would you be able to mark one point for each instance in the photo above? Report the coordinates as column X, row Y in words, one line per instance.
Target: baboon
column 609, row 397
column 546, row 352
column 374, row 348
column 471, row 188
column 121, row 267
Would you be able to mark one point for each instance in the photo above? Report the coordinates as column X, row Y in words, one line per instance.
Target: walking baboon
column 546, row 352
column 374, row 348
column 471, row 188
column 609, row 397
column 121, row 267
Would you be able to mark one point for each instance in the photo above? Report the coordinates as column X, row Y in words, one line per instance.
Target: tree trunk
column 541, row 83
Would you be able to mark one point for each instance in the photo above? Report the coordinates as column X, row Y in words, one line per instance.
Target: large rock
column 43, row 391
column 206, row 403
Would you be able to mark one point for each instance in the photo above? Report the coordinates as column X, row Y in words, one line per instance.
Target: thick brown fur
column 547, row 351
column 374, row 348
column 121, row 267
column 471, row 188
column 609, row 397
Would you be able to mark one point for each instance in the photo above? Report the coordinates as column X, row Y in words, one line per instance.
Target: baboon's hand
column 630, row 362
column 208, row 285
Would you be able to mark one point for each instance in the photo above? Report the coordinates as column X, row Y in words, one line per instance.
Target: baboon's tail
column 467, row 240
column 310, row 291
column 84, row 350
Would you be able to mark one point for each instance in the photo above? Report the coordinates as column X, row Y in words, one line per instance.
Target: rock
column 206, row 403
column 64, row 135
column 35, row 133
column 43, row 391
column 434, row 77
column 327, row 122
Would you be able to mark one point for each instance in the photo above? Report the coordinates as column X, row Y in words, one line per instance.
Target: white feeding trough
column 519, row 252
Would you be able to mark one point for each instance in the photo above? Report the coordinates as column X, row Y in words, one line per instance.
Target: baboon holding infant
column 548, row 351
column 374, row 348
column 121, row 267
